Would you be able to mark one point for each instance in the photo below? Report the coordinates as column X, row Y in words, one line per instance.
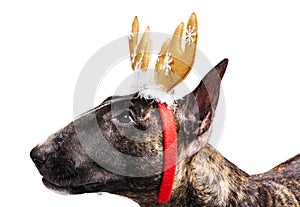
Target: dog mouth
column 80, row 189
column 56, row 188
column 67, row 190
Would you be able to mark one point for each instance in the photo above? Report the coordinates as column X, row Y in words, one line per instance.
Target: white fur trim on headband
column 157, row 93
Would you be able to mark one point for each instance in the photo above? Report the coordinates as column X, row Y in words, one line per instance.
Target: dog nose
column 38, row 156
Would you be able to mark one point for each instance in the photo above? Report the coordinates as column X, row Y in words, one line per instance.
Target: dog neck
column 208, row 179
column 211, row 180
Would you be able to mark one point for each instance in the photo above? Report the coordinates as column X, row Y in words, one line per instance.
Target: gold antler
column 139, row 55
column 174, row 64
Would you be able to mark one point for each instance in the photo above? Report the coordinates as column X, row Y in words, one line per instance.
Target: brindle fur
column 203, row 176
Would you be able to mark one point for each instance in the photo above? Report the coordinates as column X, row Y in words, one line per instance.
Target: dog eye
column 126, row 117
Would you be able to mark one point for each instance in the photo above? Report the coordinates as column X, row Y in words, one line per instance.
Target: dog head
column 85, row 156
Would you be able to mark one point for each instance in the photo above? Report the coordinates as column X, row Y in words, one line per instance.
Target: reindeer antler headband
column 172, row 66
column 173, row 63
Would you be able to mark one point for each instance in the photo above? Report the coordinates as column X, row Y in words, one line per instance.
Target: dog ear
column 207, row 92
column 198, row 107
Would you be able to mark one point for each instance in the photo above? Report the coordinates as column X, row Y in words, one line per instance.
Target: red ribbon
column 170, row 152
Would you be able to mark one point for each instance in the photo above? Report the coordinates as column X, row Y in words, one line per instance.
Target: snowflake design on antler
column 139, row 63
column 158, row 57
column 130, row 35
column 190, row 34
column 132, row 57
column 167, row 61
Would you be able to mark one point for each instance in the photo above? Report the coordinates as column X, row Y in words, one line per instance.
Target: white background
column 44, row 46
